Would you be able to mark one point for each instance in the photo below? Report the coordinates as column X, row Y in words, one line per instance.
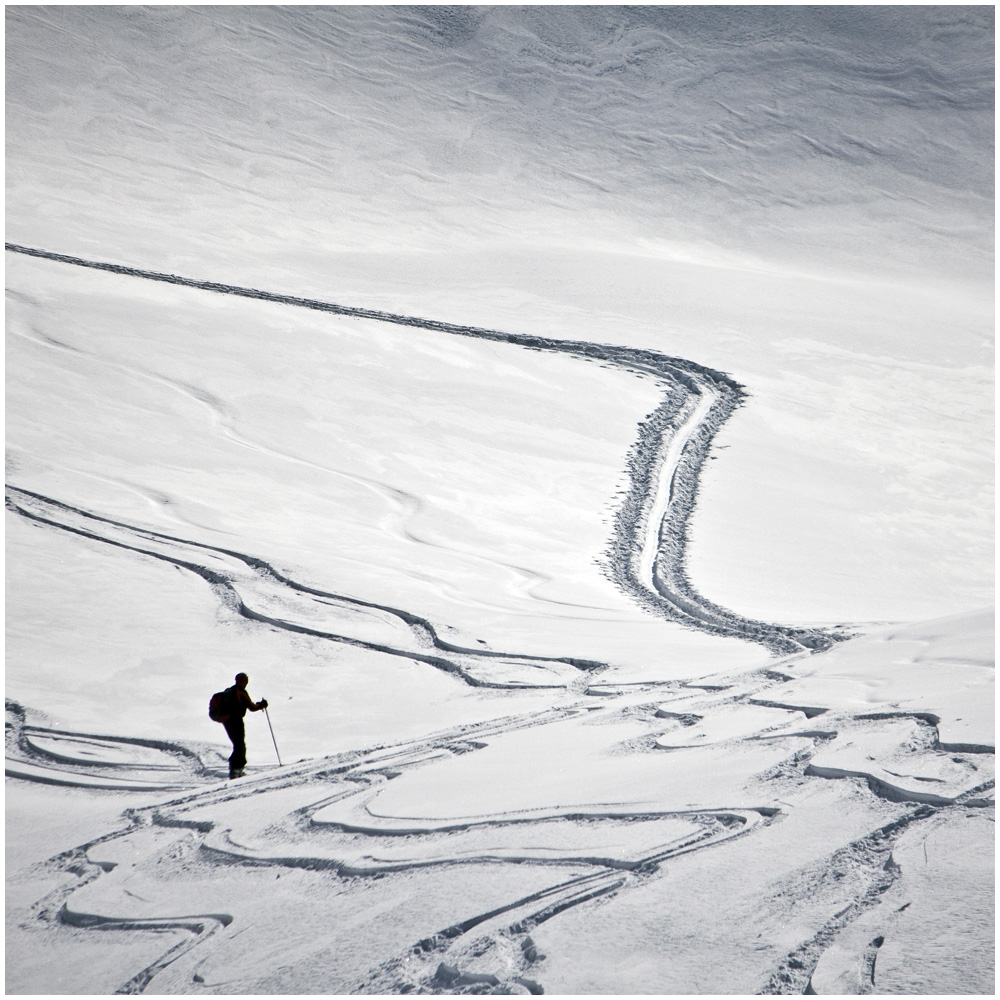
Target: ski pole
column 273, row 740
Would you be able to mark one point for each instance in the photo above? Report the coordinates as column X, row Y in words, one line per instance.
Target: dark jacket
column 240, row 701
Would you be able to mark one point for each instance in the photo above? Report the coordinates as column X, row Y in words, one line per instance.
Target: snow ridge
column 646, row 554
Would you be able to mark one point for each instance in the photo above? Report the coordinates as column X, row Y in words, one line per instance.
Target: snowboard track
column 666, row 592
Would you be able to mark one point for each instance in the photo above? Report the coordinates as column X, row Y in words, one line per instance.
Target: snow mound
column 941, row 671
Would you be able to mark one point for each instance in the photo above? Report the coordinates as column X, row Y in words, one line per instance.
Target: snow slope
column 605, row 842
column 577, row 422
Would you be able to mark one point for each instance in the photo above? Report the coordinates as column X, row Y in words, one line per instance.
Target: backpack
column 219, row 706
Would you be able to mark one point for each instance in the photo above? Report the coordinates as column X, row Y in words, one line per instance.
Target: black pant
column 238, row 737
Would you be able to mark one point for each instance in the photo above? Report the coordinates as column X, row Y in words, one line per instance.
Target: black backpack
column 220, row 706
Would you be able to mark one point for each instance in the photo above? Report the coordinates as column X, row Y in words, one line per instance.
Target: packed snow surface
column 577, row 422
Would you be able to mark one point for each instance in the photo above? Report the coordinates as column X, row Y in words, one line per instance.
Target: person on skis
column 239, row 702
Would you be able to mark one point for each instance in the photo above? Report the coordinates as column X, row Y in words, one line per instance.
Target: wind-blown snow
column 842, row 131
column 577, row 422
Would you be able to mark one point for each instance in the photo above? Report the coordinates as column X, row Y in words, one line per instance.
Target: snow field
column 539, row 803
column 539, row 812
column 435, row 545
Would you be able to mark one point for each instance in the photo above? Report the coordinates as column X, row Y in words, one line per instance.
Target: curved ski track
column 258, row 592
column 319, row 846
column 646, row 554
column 328, row 828
column 645, row 559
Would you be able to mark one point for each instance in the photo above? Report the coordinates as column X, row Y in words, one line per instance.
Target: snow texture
column 577, row 422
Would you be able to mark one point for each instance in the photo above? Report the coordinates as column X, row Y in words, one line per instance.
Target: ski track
column 257, row 591
column 406, row 505
column 645, row 558
column 354, row 843
column 663, row 465
column 354, row 775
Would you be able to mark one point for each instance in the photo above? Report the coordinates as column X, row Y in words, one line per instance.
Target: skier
column 239, row 702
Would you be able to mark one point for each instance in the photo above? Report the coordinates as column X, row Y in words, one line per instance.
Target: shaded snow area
column 577, row 421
